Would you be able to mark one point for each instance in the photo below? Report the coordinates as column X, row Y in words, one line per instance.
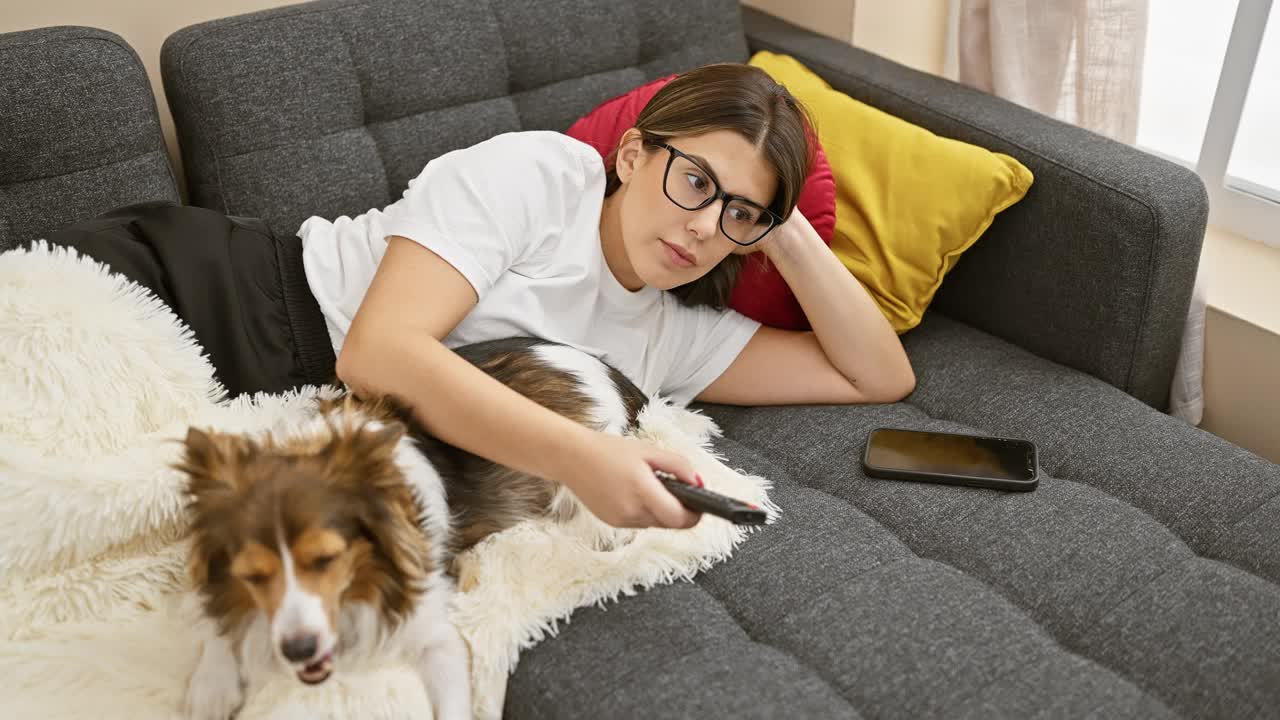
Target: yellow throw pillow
column 908, row 202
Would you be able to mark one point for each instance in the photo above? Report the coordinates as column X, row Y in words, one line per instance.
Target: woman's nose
column 705, row 223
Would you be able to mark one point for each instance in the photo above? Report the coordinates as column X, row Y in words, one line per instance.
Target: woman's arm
column 394, row 347
column 852, row 355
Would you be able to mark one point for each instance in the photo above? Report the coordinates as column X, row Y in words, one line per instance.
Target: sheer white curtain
column 1077, row 60
column 1081, row 62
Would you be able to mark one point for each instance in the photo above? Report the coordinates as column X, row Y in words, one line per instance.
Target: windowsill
column 1242, row 342
column 1241, row 278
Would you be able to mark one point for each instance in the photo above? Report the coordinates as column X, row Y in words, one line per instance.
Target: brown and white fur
column 338, row 537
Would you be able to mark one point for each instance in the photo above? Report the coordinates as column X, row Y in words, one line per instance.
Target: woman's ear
column 630, row 148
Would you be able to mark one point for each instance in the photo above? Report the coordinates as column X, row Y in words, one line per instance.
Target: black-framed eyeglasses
column 693, row 187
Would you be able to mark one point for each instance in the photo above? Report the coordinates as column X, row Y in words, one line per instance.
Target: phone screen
column 948, row 454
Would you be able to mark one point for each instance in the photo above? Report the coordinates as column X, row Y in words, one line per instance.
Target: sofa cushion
column 79, row 132
column 1140, row 579
column 330, row 108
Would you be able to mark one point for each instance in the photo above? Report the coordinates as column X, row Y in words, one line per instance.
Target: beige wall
column 833, row 18
column 912, row 32
column 1242, row 342
column 144, row 24
column 1241, row 376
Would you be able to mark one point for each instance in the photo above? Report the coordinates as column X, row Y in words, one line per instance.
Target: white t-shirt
column 519, row 216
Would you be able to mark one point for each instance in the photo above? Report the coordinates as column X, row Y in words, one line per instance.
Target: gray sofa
column 1139, row 580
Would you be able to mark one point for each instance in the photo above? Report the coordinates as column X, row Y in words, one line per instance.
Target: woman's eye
column 697, row 182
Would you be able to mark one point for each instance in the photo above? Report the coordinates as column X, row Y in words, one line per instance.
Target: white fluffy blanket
column 98, row 380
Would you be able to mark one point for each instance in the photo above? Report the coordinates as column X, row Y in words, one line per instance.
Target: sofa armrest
column 1093, row 269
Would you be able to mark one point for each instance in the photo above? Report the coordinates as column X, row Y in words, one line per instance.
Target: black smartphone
column 952, row 458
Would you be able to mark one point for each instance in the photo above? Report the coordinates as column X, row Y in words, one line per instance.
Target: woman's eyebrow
column 702, row 162
column 705, row 166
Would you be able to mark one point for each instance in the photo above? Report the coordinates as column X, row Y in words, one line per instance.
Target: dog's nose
column 299, row 648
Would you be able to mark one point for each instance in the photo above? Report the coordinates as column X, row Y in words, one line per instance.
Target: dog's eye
column 319, row 564
column 257, row 578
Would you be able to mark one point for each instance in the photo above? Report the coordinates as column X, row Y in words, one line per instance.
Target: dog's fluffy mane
column 339, row 472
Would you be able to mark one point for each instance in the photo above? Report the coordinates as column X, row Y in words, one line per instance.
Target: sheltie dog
column 338, row 536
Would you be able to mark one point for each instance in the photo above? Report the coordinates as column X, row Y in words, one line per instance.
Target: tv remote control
column 703, row 500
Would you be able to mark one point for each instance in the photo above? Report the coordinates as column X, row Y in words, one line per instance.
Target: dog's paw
column 214, row 690
column 213, row 697
column 444, row 664
column 452, row 706
column 452, row 713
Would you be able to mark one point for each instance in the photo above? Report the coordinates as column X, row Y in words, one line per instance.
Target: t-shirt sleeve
column 701, row 344
column 486, row 207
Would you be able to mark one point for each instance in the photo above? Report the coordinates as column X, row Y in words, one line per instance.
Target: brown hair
column 743, row 98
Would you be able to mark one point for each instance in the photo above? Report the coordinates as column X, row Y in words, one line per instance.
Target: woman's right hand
column 613, row 476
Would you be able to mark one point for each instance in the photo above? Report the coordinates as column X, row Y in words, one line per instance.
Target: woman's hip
column 241, row 290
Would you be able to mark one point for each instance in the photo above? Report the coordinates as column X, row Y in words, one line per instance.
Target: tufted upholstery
column 330, row 108
column 1141, row 579
column 79, row 132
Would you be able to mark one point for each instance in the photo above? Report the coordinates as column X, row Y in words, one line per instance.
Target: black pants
column 240, row 289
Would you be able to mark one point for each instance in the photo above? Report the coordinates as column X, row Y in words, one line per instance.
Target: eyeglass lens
column 689, row 186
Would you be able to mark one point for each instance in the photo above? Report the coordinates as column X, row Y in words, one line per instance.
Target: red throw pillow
column 761, row 293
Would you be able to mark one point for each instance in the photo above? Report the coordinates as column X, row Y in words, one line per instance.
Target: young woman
column 529, row 233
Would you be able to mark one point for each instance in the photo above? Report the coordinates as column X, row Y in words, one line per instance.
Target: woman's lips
column 678, row 256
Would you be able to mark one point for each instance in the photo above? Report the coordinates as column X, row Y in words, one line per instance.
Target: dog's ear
column 213, row 460
column 199, row 560
column 401, row 556
column 361, row 463
column 209, row 459
column 199, row 445
column 380, row 439
column 364, row 451
column 207, row 462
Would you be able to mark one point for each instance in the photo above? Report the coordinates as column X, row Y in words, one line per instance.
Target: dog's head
column 299, row 528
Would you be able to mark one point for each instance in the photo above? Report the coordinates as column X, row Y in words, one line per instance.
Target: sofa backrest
column 330, row 108
column 79, row 132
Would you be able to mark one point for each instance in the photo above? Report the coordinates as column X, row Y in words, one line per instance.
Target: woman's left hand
column 852, row 354
column 797, row 224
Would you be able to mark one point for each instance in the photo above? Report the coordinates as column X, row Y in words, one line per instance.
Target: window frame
column 1235, row 204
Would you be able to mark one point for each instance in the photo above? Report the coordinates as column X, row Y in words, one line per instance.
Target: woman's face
column 666, row 245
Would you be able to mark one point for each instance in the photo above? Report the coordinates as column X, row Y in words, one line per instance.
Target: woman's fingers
column 668, row 509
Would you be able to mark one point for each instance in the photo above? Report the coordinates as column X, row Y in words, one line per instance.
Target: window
column 1211, row 101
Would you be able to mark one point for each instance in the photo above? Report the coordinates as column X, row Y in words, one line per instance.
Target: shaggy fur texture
column 246, row 489
column 98, row 382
